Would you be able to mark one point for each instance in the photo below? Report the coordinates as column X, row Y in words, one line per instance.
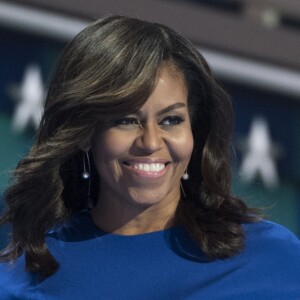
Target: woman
column 125, row 193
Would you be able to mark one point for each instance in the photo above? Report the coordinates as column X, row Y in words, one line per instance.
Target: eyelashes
column 172, row 121
column 127, row 121
column 168, row 121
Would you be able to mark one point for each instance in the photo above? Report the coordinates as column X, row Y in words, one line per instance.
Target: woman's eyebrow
column 169, row 108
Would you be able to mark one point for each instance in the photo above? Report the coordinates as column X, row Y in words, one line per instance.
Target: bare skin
column 141, row 159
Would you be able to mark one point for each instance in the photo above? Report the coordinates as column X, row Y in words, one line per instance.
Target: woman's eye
column 126, row 121
column 171, row 121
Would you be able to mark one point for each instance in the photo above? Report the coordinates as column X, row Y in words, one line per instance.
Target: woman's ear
column 85, row 145
column 85, row 148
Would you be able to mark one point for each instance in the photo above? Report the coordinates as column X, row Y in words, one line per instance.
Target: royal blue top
column 159, row 265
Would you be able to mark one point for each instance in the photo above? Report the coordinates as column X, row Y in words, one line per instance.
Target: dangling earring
column 182, row 190
column 185, row 175
column 86, row 174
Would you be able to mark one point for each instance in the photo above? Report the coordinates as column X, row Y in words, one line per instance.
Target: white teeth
column 153, row 167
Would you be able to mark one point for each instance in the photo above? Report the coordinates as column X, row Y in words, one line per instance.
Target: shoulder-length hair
column 108, row 70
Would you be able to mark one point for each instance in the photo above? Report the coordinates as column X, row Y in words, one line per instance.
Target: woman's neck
column 134, row 220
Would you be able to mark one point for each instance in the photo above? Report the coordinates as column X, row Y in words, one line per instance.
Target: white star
column 258, row 160
column 31, row 94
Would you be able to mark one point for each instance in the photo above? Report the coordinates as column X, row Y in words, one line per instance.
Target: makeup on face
column 141, row 157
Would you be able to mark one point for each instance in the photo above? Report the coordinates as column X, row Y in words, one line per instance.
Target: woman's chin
column 151, row 198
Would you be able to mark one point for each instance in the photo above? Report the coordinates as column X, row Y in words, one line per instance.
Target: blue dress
column 159, row 265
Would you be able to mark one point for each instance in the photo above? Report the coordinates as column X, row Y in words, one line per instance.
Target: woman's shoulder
column 270, row 242
column 78, row 227
column 15, row 282
column 268, row 231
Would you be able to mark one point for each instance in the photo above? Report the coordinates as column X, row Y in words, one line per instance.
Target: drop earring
column 86, row 173
column 182, row 190
column 185, row 175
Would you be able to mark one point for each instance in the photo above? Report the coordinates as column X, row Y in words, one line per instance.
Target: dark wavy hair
column 109, row 70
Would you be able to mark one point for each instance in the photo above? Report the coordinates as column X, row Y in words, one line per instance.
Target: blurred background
column 253, row 47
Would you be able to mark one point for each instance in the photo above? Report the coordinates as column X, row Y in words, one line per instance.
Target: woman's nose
column 150, row 139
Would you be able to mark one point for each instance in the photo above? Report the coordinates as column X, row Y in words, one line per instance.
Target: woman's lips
column 153, row 169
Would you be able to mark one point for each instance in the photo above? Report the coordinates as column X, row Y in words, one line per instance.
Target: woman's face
column 141, row 157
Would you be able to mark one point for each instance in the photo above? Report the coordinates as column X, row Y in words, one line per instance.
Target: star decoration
column 30, row 96
column 259, row 158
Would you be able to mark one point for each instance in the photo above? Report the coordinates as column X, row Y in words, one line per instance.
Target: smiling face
column 141, row 157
